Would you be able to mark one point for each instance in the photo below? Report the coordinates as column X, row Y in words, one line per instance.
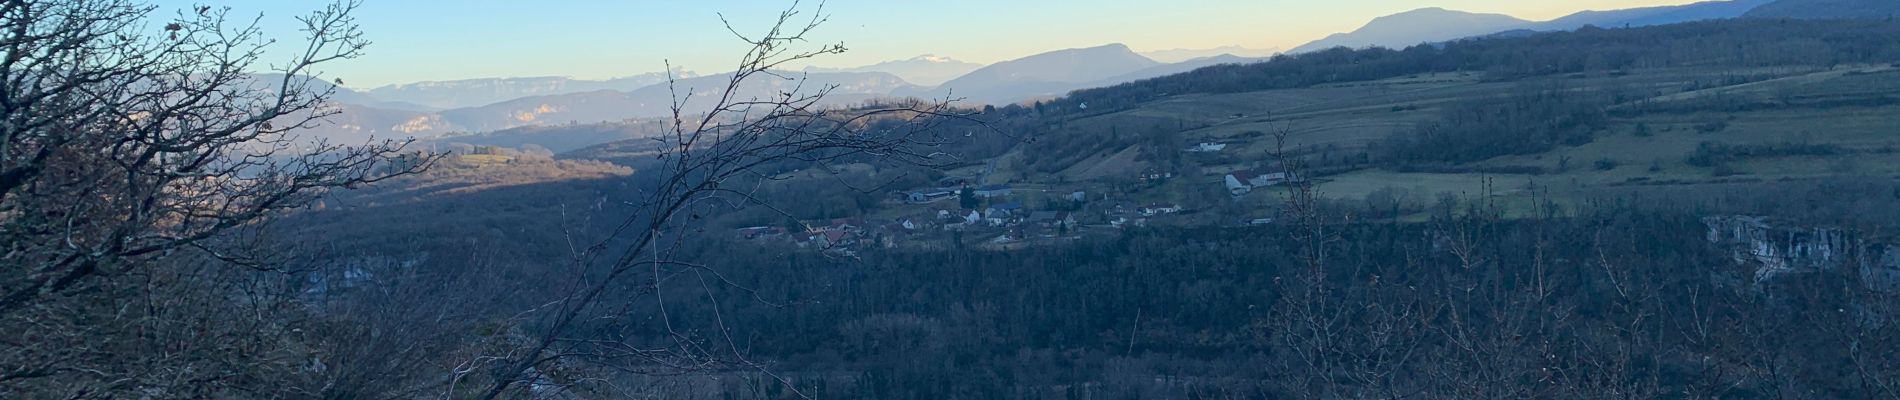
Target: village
column 961, row 212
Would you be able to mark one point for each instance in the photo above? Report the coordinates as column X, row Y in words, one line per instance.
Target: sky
column 423, row 40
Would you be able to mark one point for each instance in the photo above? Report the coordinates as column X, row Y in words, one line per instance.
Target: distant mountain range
column 1647, row 16
column 927, row 70
column 1180, row 55
column 516, row 105
column 479, row 92
column 360, row 121
column 1059, row 72
column 433, row 109
column 657, row 100
column 1437, row 24
column 1417, row 26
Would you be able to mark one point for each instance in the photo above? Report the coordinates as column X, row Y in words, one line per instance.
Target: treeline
column 1723, row 43
column 1712, row 154
column 1536, row 117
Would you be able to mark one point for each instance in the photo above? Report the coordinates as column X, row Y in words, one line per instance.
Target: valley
column 1110, row 200
column 1072, row 169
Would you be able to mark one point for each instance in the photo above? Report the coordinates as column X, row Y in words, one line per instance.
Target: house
column 1079, row 197
column 1244, row 181
column 1004, row 210
column 1002, row 213
column 972, row 217
column 926, row 197
column 993, row 191
column 1208, row 148
column 917, row 222
column 1239, row 182
column 1159, row 209
column 1044, row 217
column 1152, row 175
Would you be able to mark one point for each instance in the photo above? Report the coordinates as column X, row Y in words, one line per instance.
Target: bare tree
column 714, row 156
column 119, row 149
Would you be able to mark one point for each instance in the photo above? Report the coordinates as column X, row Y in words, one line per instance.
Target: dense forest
column 1616, row 299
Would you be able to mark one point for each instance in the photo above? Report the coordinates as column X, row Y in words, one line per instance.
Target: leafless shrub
column 119, row 149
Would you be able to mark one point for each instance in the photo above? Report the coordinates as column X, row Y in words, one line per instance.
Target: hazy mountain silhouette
column 1047, row 74
column 1438, row 24
column 656, row 100
column 1175, row 68
column 480, row 92
column 927, row 70
column 1418, row 26
column 1182, row 55
column 1647, row 16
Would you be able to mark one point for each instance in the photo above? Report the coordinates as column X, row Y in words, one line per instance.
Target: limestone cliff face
column 1775, row 249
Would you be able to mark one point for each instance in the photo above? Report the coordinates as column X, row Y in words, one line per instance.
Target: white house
column 926, row 197
column 1208, row 148
column 1244, row 181
column 1159, row 209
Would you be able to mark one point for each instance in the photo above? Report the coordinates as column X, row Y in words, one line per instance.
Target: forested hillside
column 1731, row 43
column 1827, row 9
column 1611, row 300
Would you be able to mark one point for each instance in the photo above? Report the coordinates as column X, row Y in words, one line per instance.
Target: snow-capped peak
column 933, row 58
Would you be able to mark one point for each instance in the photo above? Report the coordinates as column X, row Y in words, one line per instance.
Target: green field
column 1848, row 111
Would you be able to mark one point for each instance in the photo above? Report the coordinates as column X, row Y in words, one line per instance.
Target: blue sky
column 418, row 40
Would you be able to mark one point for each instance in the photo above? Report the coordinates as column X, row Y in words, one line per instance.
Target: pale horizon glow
column 596, row 39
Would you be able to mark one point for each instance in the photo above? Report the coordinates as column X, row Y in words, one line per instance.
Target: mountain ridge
column 926, row 70
column 1179, row 55
column 1046, row 74
column 1827, row 9
column 462, row 93
column 1430, row 24
column 1434, row 24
